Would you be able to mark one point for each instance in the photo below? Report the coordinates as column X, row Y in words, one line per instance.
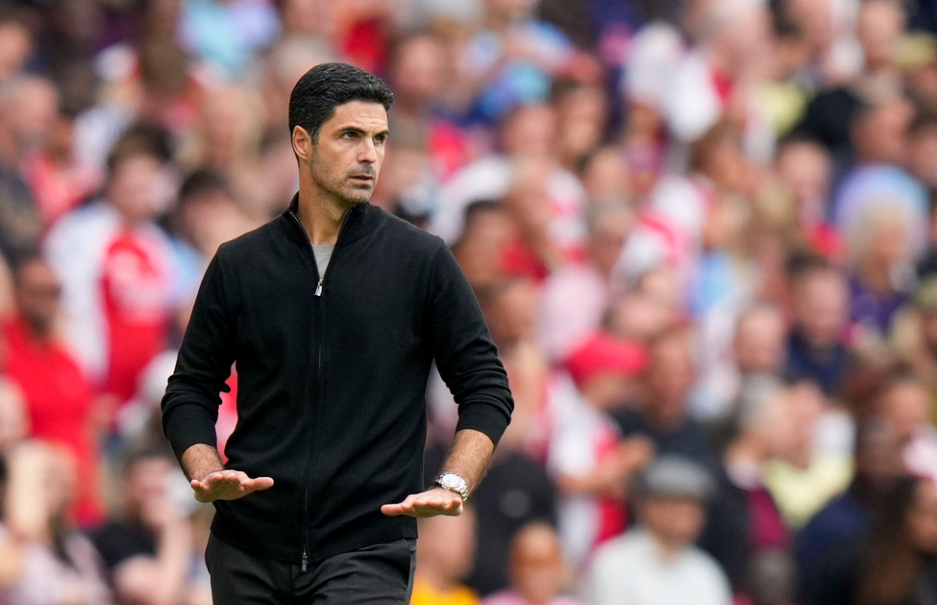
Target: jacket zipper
column 304, row 564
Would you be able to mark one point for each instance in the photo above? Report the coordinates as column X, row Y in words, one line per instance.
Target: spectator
column 879, row 254
column 661, row 414
column 744, row 519
column 914, row 334
column 819, row 309
column 527, row 132
column 657, row 562
column 148, row 549
column 893, row 564
column 61, row 404
column 589, row 460
column 906, row 405
column 444, row 553
column 539, row 574
column 575, row 299
column 480, row 248
column 28, row 109
column 847, row 518
column 58, row 179
column 117, row 268
column 58, row 564
column 517, row 491
column 803, row 168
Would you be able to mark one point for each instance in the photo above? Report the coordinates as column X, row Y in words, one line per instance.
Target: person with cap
column 586, row 454
column 656, row 561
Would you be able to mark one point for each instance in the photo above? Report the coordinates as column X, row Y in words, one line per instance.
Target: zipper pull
column 319, row 288
column 305, row 564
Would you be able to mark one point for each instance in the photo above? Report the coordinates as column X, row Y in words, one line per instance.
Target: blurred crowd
column 703, row 233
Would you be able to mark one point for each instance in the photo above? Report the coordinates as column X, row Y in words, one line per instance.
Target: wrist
column 455, row 484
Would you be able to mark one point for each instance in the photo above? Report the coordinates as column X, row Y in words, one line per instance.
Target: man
column 60, row 403
column 820, row 310
column 148, row 549
column 118, row 267
column 334, row 312
column 657, row 562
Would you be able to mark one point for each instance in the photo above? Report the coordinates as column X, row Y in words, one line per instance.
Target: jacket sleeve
column 190, row 405
column 465, row 355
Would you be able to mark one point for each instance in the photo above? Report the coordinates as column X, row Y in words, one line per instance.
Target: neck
column 321, row 215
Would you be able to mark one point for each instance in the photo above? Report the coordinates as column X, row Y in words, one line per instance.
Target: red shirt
column 134, row 284
column 59, row 400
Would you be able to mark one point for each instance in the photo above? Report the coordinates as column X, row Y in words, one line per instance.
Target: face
column 882, row 135
column 805, row 168
column 538, row 571
column 420, row 73
column 607, row 238
column 480, row 250
column 137, row 188
column 513, row 315
column 676, row 521
column 345, row 158
column 530, row 130
column 889, row 245
column 15, row 46
column 37, row 295
column 821, row 308
column 607, row 177
column 32, row 113
column 759, row 342
column 147, row 481
column 449, row 544
column 671, row 375
column 906, row 407
column 879, row 30
column 879, row 455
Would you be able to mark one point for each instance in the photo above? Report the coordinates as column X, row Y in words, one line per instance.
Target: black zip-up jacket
column 331, row 378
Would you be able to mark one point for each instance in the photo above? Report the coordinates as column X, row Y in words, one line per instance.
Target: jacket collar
column 362, row 218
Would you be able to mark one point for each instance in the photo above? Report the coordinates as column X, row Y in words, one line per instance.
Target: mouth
column 362, row 178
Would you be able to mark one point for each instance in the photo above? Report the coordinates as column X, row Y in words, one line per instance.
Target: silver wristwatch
column 454, row 483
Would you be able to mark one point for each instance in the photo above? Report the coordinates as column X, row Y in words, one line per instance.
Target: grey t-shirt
column 323, row 254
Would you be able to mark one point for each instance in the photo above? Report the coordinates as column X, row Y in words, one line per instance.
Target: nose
column 367, row 151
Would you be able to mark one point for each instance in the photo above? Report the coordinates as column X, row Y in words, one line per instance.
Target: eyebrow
column 355, row 129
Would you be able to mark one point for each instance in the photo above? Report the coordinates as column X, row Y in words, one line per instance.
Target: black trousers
column 380, row 574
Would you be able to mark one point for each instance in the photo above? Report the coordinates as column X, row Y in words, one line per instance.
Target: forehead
column 359, row 114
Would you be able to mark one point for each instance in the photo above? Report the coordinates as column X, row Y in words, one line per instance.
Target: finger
column 258, row 484
column 392, row 510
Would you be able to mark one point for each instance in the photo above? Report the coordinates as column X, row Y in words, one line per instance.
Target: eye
column 349, row 135
column 381, row 139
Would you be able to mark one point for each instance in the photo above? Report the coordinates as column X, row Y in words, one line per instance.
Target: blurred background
column 703, row 234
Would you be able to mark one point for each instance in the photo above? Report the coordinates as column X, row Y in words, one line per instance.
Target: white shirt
column 629, row 570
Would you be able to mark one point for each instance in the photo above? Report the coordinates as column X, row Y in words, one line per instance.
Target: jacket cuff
column 485, row 418
column 187, row 426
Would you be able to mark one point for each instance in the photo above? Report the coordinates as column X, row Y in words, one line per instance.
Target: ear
column 302, row 143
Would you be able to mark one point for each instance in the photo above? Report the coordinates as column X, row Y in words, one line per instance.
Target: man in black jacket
column 333, row 312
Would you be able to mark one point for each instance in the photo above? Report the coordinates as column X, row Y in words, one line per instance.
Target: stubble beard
column 347, row 196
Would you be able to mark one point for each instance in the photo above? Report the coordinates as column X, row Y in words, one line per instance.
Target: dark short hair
column 141, row 139
column 325, row 87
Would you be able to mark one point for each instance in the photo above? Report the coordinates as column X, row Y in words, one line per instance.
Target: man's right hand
column 228, row 485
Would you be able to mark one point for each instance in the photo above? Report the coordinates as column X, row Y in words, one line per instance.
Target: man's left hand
column 433, row 502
